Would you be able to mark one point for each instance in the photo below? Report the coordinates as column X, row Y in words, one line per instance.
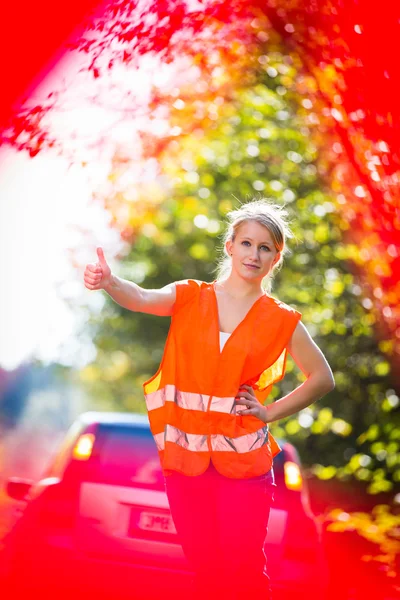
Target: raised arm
column 131, row 296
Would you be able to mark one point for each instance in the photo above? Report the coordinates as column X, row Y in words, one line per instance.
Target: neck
column 241, row 288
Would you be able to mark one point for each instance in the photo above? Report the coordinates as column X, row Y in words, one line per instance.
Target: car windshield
column 127, row 455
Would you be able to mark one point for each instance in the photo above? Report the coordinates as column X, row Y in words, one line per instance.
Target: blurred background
column 137, row 127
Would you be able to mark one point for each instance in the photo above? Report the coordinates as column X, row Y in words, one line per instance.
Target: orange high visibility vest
column 191, row 398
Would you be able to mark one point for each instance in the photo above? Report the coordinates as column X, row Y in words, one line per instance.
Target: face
column 253, row 250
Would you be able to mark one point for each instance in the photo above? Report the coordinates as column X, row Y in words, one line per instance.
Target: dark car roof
column 114, row 418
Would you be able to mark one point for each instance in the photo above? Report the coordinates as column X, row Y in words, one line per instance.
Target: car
column 99, row 520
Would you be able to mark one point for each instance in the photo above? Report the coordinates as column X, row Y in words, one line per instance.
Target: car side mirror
column 18, row 488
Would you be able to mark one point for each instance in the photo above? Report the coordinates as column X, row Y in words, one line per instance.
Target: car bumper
column 56, row 565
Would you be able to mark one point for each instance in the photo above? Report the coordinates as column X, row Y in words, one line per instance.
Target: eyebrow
column 251, row 240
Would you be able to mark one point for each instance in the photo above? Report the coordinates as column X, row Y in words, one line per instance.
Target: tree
column 259, row 141
column 267, row 97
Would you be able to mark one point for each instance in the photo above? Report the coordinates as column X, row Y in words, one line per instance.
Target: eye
column 245, row 242
column 265, row 247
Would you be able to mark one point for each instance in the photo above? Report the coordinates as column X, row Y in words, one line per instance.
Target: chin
column 248, row 274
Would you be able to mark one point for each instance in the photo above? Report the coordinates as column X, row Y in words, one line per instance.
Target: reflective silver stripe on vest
column 224, row 405
column 198, row 443
column 244, row 443
column 159, row 440
column 169, row 393
column 189, row 400
column 188, row 441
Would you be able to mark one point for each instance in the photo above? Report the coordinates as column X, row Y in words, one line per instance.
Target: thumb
column 100, row 255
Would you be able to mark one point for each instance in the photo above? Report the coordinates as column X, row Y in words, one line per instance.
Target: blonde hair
column 273, row 217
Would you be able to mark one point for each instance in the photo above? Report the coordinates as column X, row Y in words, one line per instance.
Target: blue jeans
column 222, row 524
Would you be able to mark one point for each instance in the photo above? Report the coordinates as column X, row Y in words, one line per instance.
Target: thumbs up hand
column 97, row 275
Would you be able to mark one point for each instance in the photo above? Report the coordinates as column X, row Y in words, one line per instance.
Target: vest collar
column 242, row 323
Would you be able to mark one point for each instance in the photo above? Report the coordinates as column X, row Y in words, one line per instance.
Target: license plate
column 153, row 521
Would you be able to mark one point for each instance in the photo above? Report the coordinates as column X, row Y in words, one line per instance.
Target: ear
column 228, row 247
column 277, row 257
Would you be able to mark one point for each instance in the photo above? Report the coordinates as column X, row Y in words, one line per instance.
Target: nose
column 254, row 254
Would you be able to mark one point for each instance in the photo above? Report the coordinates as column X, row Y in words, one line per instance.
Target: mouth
column 251, row 266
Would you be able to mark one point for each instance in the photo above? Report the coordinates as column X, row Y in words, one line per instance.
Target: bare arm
column 133, row 297
column 160, row 302
column 309, row 358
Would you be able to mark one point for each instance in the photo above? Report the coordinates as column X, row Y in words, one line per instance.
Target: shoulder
column 192, row 283
column 283, row 312
column 284, row 309
column 187, row 290
column 189, row 286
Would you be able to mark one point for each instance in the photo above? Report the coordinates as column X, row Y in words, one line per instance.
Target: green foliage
column 259, row 144
column 380, row 526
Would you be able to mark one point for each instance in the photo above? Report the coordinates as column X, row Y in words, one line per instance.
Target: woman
column 226, row 347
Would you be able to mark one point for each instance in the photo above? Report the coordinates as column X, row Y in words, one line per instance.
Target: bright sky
column 44, row 201
column 41, row 202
